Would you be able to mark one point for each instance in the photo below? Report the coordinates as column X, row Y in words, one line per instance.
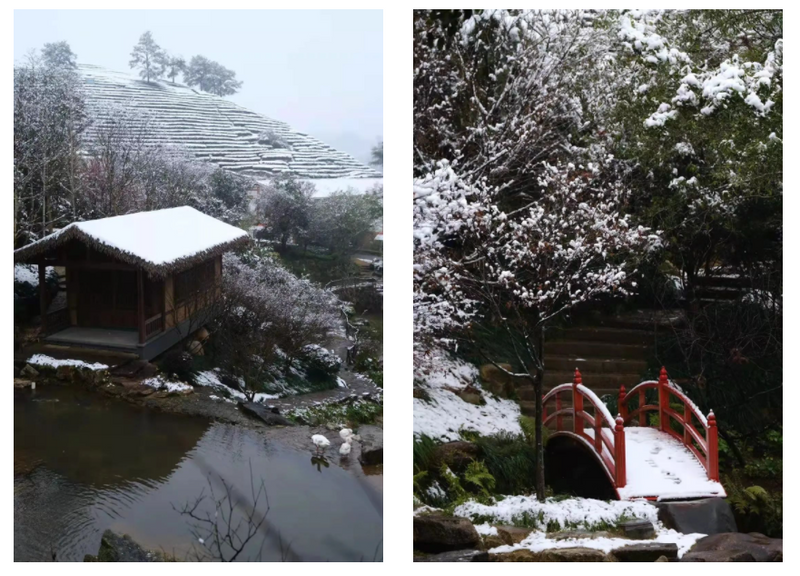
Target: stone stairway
column 609, row 351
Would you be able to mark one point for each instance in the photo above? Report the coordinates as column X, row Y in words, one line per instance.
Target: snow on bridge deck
column 660, row 466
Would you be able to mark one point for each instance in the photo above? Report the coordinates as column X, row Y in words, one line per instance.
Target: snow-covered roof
column 162, row 241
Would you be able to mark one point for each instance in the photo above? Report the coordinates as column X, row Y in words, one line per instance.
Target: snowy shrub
column 319, row 362
column 272, row 138
column 266, row 318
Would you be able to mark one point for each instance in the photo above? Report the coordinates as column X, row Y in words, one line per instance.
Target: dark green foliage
column 729, row 358
column 511, row 459
column 179, row 364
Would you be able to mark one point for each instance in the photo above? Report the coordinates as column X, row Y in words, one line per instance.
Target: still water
column 84, row 463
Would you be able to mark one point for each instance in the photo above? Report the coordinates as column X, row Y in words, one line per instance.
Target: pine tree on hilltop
column 211, row 77
column 149, row 57
column 175, row 65
column 59, row 55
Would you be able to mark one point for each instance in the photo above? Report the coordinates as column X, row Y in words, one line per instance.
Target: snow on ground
column 44, row 360
column 569, row 514
column 161, row 383
column 486, row 529
column 444, row 414
column 211, row 379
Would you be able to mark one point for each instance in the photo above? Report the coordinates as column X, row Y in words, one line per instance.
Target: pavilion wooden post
column 621, row 407
column 42, row 297
column 140, row 307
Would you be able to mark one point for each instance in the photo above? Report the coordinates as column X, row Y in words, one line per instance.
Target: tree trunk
column 538, row 386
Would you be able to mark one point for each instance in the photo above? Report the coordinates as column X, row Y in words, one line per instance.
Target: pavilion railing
column 704, row 446
column 153, row 325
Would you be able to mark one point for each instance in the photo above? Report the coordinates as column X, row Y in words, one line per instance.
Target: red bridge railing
column 705, row 446
column 607, row 435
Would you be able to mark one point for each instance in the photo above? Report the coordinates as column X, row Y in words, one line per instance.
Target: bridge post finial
column 577, row 403
column 623, row 409
column 713, row 448
column 620, row 472
column 663, row 398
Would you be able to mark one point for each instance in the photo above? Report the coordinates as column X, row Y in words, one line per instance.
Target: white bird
column 345, row 433
column 344, row 449
column 320, row 442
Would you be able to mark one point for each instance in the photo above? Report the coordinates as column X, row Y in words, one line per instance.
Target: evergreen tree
column 149, row 58
column 377, row 154
column 59, row 55
column 211, row 77
column 175, row 65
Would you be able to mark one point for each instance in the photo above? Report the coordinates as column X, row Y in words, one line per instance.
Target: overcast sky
column 320, row 71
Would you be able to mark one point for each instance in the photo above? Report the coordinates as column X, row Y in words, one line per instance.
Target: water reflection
column 86, row 464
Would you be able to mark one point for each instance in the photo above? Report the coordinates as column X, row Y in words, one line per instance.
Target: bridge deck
column 660, row 466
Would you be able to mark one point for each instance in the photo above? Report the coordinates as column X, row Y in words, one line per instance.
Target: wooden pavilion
column 137, row 283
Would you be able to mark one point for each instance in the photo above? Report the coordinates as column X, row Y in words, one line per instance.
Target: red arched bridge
column 642, row 461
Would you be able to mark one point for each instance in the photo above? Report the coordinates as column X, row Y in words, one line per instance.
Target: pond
column 85, row 463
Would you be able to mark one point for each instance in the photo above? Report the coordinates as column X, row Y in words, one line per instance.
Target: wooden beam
column 140, row 285
column 43, row 297
column 83, row 265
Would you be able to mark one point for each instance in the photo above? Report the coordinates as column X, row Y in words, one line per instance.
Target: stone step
column 598, row 350
column 601, row 334
column 568, row 363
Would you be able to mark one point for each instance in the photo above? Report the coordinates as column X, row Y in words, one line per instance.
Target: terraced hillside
column 217, row 130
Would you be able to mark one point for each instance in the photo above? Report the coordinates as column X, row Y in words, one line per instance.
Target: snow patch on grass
column 211, row 379
column 571, row 513
column 444, row 414
column 161, row 383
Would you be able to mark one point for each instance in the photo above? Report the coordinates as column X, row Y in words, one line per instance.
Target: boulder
column 264, row 414
column 639, row 530
column 705, row 516
column 438, row 533
column 491, row 541
column 421, row 394
column 646, row 552
column 195, row 348
column 121, row 548
column 455, row 556
column 456, row 455
column 472, row 395
column 29, row 371
column 513, row 534
column 552, row 555
column 578, row 534
column 371, row 444
column 730, row 547
column 21, row 383
column 496, row 381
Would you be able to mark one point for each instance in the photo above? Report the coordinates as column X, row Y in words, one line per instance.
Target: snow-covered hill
column 217, row 130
